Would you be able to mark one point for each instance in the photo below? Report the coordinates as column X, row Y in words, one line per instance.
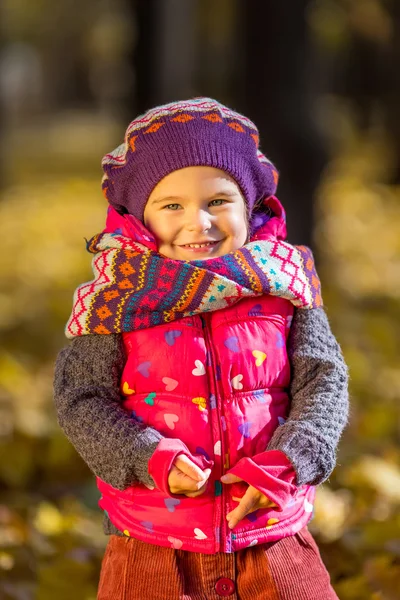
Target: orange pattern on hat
column 213, row 118
column 236, row 127
column 132, row 142
column 183, row 118
column 154, row 128
column 256, row 138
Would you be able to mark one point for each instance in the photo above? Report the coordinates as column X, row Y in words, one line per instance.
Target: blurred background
column 321, row 79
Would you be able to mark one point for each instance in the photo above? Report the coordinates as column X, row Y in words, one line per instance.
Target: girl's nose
column 199, row 221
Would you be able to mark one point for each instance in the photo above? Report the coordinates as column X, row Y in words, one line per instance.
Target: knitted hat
column 183, row 134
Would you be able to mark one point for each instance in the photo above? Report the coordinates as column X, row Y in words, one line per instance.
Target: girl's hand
column 187, row 478
column 251, row 501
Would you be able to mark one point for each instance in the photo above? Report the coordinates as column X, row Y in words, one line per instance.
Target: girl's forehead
column 194, row 178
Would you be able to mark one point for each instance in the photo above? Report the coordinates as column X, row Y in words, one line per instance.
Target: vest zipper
column 217, row 421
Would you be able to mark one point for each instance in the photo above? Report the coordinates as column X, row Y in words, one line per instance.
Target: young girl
column 203, row 385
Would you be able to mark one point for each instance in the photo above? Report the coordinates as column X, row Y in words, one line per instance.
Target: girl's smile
column 201, row 246
column 197, row 212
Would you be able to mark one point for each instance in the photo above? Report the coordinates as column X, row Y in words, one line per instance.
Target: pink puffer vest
column 218, row 383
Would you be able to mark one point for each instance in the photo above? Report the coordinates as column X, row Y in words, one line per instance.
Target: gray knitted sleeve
column 88, row 403
column 319, row 398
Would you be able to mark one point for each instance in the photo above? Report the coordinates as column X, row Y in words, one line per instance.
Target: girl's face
column 197, row 213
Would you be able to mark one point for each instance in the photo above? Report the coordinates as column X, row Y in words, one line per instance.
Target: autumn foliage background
column 58, row 119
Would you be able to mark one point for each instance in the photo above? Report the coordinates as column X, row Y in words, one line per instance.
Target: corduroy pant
column 290, row 569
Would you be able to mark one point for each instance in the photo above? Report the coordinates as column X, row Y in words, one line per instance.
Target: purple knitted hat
column 183, row 134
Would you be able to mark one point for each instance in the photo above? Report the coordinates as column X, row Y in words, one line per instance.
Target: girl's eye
column 172, row 206
column 217, row 202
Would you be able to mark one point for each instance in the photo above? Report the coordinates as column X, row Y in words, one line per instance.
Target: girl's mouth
column 203, row 247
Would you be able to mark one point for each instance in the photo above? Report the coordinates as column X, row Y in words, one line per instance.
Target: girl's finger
column 184, row 483
column 230, row 478
column 247, row 505
column 266, row 503
column 188, row 467
column 206, row 475
column 188, row 484
column 198, row 493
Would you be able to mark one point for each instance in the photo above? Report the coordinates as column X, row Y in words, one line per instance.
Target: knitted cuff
column 311, row 456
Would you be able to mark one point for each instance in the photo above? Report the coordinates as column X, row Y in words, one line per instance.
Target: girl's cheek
column 243, row 229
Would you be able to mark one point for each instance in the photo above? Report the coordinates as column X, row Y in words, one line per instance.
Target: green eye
column 172, row 206
column 217, row 202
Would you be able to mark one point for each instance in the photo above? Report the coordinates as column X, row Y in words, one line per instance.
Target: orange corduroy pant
column 290, row 569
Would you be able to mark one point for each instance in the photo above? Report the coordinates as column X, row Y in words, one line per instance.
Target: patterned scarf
column 134, row 287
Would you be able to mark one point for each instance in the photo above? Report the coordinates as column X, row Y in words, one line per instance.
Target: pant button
column 224, row 586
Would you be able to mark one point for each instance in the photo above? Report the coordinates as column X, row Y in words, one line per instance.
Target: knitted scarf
column 135, row 287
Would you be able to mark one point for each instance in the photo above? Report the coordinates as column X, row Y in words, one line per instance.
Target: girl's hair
column 259, row 216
